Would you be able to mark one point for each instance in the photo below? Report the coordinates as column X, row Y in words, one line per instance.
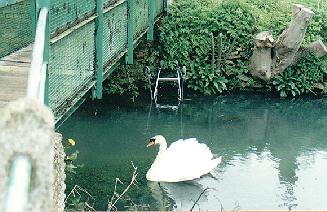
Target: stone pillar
column 27, row 128
column 59, row 185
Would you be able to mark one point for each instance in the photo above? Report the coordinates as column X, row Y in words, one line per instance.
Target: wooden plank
column 13, row 75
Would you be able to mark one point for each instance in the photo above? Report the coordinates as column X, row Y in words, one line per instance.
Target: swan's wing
column 186, row 160
column 190, row 150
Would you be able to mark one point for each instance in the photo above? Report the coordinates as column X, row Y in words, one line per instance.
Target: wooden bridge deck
column 13, row 75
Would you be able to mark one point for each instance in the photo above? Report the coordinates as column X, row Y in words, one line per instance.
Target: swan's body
column 183, row 160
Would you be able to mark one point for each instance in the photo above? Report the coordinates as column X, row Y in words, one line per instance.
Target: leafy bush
column 129, row 80
column 125, row 81
column 300, row 78
column 193, row 22
column 186, row 36
column 271, row 15
column 317, row 28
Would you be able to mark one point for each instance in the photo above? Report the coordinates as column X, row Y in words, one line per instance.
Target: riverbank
column 211, row 74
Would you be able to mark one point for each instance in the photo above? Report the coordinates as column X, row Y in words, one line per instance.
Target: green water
column 274, row 152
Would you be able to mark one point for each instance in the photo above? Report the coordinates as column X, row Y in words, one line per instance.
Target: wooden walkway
column 13, row 75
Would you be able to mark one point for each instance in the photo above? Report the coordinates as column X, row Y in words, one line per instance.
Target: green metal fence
column 87, row 37
column 74, row 59
column 15, row 25
column 141, row 18
column 65, row 13
column 115, row 32
column 71, row 65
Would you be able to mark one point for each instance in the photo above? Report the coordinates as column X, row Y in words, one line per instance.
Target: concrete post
column 27, row 129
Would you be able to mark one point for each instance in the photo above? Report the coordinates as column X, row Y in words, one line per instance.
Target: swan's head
column 158, row 139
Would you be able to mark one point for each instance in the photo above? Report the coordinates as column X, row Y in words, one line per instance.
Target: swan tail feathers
column 215, row 162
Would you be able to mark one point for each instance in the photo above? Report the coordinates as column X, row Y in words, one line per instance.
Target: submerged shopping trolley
column 178, row 79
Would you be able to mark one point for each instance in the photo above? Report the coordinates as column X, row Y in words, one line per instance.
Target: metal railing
column 20, row 172
column 37, row 74
column 20, row 177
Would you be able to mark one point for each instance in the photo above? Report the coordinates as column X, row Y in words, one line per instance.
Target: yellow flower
column 71, row 141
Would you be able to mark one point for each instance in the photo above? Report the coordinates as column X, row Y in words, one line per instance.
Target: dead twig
column 76, row 193
column 116, row 196
column 197, row 200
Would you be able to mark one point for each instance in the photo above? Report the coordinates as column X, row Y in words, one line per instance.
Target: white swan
column 183, row 160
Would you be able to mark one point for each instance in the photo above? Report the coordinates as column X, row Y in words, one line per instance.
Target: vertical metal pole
column 212, row 53
column 99, row 48
column 130, row 31
column 38, row 5
column 165, row 7
column 220, row 47
column 19, row 184
column 46, row 56
column 151, row 10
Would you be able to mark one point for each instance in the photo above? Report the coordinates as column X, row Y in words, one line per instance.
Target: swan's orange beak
column 150, row 144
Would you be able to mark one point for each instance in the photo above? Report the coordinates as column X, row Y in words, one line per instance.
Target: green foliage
column 129, row 80
column 317, row 28
column 124, row 81
column 271, row 15
column 70, row 163
column 186, row 36
column 192, row 22
column 78, row 198
column 301, row 78
column 237, row 24
column 202, row 79
column 71, row 158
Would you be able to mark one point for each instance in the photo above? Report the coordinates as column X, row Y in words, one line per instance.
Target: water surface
column 274, row 152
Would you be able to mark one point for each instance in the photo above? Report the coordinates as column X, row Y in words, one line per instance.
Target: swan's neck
column 162, row 148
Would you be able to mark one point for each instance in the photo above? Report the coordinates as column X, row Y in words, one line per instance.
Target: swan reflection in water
column 179, row 195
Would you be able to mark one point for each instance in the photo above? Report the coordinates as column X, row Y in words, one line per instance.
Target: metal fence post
column 46, row 59
column 38, row 5
column 151, row 9
column 99, row 48
column 165, row 7
column 130, row 31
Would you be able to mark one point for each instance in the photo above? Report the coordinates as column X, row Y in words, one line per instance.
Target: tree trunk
column 271, row 58
column 290, row 40
column 317, row 48
column 261, row 60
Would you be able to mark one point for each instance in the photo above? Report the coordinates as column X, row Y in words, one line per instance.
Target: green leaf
column 283, row 94
column 73, row 156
